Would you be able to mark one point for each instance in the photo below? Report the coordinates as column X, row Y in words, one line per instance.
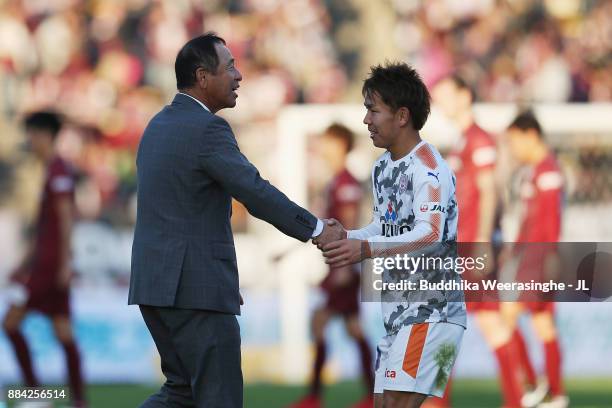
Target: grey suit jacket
column 189, row 167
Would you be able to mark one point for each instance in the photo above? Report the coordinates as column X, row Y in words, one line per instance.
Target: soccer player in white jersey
column 414, row 210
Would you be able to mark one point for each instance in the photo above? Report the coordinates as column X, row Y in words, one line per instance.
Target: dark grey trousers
column 200, row 357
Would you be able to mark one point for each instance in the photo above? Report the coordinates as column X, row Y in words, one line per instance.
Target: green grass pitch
column 468, row 393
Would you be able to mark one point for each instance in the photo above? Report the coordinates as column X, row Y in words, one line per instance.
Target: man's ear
column 202, row 77
column 403, row 115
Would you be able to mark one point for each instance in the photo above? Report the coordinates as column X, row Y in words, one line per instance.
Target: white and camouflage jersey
column 415, row 213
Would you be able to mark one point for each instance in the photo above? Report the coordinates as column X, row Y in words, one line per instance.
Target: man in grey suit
column 184, row 273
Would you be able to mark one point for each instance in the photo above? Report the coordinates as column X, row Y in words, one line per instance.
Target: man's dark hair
column 199, row 52
column 526, row 120
column 44, row 120
column 399, row 85
column 342, row 133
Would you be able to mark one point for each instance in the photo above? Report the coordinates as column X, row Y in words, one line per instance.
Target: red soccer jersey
column 475, row 152
column 343, row 190
column 542, row 197
column 59, row 182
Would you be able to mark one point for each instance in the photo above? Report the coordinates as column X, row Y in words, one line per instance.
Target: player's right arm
column 429, row 207
column 431, row 199
column 366, row 232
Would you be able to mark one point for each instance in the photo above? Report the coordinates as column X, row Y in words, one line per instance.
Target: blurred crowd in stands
column 108, row 66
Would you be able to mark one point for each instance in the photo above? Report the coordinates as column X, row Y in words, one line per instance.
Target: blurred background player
column 473, row 161
column 341, row 285
column 541, row 194
column 45, row 271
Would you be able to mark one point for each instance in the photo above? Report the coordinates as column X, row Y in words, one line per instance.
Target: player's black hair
column 526, row 120
column 399, row 85
column 199, row 52
column 342, row 133
column 44, row 120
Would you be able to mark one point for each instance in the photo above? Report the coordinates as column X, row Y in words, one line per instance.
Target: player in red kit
column 341, row 285
column 473, row 160
column 541, row 193
column 45, row 272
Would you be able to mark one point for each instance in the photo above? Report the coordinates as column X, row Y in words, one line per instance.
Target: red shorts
column 343, row 300
column 474, row 307
column 45, row 297
column 56, row 305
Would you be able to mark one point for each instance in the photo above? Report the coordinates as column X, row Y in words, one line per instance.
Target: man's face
column 332, row 149
column 39, row 141
column 222, row 85
column 381, row 121
column 521, row 142
column 450, row 99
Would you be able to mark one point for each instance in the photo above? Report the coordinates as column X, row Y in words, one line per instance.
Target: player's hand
column 332, row 231
column 20, row 275
column 344, row 252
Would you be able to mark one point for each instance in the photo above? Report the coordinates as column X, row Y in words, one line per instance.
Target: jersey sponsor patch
column 432, row 207
column 391, row 214
column 393, row 230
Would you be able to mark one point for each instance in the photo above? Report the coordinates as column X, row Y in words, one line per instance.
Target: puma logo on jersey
column 435, row 175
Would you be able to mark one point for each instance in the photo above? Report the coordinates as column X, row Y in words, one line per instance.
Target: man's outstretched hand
column 346, row 252
column 332, row 231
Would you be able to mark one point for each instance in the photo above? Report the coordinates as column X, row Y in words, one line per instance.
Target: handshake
column 337, row 249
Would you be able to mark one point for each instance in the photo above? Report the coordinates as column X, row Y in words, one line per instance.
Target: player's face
column 332, row 150
column 381, row 121
column 443, row 95
column 222, row 85
column 520, row 144
column 39, row 141
column 449, row 99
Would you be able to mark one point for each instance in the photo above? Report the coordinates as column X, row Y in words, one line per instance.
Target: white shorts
column 419, row 358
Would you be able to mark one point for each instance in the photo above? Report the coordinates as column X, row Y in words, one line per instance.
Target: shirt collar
column 410, row 153
column 201, row 104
